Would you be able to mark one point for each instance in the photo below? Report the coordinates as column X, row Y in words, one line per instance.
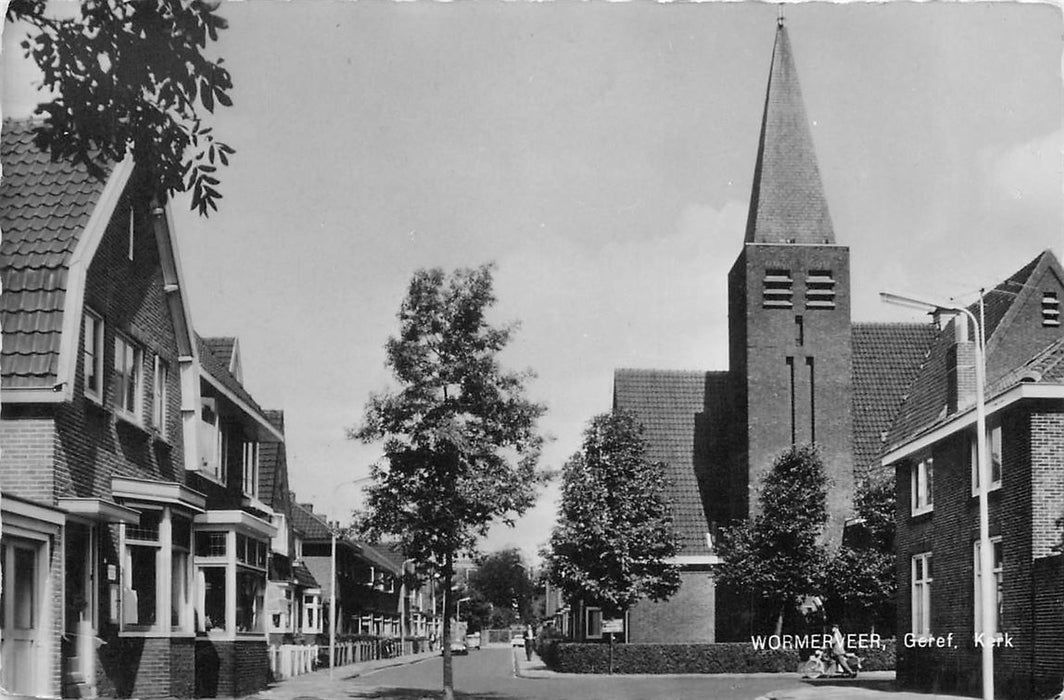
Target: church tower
column 789, row 310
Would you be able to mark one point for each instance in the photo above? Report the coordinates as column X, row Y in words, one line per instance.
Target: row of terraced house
column 151, row 546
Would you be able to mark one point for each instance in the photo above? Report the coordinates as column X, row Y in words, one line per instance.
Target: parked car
column 459, row 647
column 473, row 640
column 517, row 638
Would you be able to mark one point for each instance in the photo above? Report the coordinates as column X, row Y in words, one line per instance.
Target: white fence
column 287, row 660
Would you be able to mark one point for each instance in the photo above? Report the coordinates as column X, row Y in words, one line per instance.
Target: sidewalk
column 870, row 686
column 320, row 686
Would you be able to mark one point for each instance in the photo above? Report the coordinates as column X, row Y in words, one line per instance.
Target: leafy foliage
column 614, row 534
column 132, row 77
column 502, row 579
column 860, row 581
column 778, row 556
column 460, row 441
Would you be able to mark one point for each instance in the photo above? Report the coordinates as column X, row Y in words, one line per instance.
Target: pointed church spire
column 787, row 204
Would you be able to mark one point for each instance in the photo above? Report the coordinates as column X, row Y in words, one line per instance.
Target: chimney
column 960, row 368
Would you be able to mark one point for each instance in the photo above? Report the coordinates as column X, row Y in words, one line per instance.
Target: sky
column 601, row 155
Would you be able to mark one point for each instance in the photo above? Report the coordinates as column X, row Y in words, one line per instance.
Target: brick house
column 134, row 544
column 931, row 449
column 368, row 584
column 800, row 371
column 97, row 341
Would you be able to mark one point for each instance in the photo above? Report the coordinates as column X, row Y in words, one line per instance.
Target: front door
column 21, row 611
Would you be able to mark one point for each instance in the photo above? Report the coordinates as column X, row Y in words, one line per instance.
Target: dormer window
column 1050, row 309
column 778, row 290
column 820, row 290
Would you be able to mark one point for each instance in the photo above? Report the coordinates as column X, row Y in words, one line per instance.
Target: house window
column 312, row 613
column 280, row 607
column 159, row 394
column 214, row 440
column 593, row 617
column 127, row 379
column 923, row 486
column 92, row 353
column 140, row 572
column 819, row 290
column 1050, row 309
column 250, row 591
column 778, row 289
column 993, row 628
column 250, row 482
column 993, row 448
column 921, row 594
column 212, row 580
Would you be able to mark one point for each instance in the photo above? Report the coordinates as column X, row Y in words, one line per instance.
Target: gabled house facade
column 135, row 545
column 97, row 512
column 932, row 450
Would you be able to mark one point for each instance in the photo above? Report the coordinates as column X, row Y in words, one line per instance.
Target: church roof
column 886, row 360
column 671, row 405
column 787, row 204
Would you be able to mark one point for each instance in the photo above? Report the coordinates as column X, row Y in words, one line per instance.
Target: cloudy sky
column 601, row 155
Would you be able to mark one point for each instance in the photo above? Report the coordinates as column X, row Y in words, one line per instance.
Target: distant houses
column 151, row 546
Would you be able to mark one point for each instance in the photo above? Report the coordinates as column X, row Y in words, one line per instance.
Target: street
column 488, row 674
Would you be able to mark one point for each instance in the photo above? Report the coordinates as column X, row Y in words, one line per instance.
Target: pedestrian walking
column 530, row 639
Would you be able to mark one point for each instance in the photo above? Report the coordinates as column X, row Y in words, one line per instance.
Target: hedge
column 741, row 657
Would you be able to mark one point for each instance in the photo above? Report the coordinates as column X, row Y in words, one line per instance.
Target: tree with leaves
column 502, row 579
column 131, row 77
column 860, row 580
column 778, row 557
column 614, row 537
column 460, row 442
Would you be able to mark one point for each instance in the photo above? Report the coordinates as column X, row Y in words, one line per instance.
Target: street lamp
column 332, row 585
column 458, row 608
column 986, row 555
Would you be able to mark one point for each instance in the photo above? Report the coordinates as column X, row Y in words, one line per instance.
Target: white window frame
column 213, row 434
column 922, row 482
column 160, row 394
column 994, row 442
column 312, row 615
column 998, row 571
column 168, row 589
column 93, row 356
column 125, row 375
column 587, row 623
column 249, row 483
column 921, row 594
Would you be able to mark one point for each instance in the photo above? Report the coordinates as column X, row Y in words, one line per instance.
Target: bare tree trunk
column 448, row 667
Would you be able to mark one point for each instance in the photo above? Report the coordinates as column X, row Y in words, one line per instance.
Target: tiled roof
column 926, row 404
column 222, row 348
column 44, row 207
column 886, row 360
column 303, row 576
column 311, row 525
column 787, row 204
column 1046, row 367
column 273, row 467
column 668, row 404
column 218, row 369
column 376, row 556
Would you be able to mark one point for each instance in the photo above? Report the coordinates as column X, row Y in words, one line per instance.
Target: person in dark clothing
column 530, row 639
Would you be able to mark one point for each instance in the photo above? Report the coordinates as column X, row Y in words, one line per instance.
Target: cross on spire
column 779, row 16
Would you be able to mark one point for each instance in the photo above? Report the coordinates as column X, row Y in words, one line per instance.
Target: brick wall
column 146, row 667
column 28, row 438
column 1024, row 513
column 230, row 668
column 685, row 617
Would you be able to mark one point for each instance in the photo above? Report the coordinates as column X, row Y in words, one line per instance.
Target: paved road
column 488, row 674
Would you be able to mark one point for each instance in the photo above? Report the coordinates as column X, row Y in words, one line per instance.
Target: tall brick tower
column 789, row 310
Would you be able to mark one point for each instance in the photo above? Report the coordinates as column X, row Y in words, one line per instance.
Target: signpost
column 611, row 626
